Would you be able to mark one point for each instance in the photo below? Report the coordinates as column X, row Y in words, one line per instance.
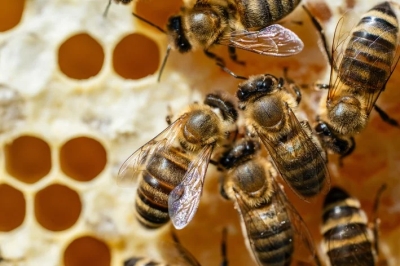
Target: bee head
column 176, row 33
column 239, row 153
column 323, row 129
column 258, row 85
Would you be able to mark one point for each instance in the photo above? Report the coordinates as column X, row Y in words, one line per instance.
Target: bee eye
column 242, row 96
column 264, row 85
column 322, row 128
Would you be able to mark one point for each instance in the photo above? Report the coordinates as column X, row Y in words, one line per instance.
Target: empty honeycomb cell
column 82, row 158
column 135, row 57
column 10, row 13
column 158, row 12
column 80, row 57
column 57, row 207
column 12, row 208
column 85, row 251
column 28, row 158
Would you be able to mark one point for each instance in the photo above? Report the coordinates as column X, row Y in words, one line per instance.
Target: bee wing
column 340, row 39
column 274, row 40
column 135, row 164
column 174, row 253
column 305, row 250
column 299, row 150
column 184, row 199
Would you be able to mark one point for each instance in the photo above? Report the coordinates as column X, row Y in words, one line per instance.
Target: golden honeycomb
column 79, row 94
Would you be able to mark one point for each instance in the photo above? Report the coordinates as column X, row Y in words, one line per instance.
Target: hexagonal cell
column 158, row 13
column 136, row 56
column 87, row 250
column 28, row 158
column 10, row 13
column 12, row 208
column 80, row 57
column 82, row 158
column 57, row 207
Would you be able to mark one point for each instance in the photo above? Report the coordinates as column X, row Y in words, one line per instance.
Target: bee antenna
column 164, row 62
column 224, row 68
column 149, row 23
column 107, row 8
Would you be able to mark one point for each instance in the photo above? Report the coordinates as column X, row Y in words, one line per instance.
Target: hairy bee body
column 296, row 152
column 172, row 166
column 364, row 69
column 166, row 171
column 347, row 238
column 140, row 261
column 257, row 14
column 264, row 209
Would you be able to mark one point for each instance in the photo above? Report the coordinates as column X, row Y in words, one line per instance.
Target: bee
column 172, row 166
column 246, row 25
column 125, row 2
column 297, row 154
column 360, row 70
column 274, row 230
column 347, row 237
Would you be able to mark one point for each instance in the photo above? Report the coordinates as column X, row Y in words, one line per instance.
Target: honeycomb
column 78, row 94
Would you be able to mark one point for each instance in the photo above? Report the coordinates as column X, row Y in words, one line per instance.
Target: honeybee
column 347, row 237
column 237, row 24
column 125, row 2
column 267, row 105
column 172, row 166
column 360, row 70
column 275, row 232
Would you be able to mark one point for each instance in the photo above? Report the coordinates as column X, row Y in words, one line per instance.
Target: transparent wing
column 274, row 40
column 185, row 198
column 174, row 253
column 305, row 250
column 340, row 38
column 135, row 164
column 299, row 160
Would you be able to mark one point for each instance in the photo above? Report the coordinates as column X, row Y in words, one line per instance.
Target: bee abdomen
column 273, row 244
column 261, row 13
column 352, row 254
column 164, row 172
column 371, row 50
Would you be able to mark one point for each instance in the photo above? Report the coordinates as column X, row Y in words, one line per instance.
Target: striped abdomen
column 258, row 14
column 347, row 238
column 301, row 163
column 165, row 170
column 272, row 244
column 370, row 53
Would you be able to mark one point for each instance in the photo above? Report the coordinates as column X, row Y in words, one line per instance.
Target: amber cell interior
column 136, row 56
column 28, row 159
column 87, row 251
column 12, row 208
column 10, row 13
column 82, row 158
column 80, row 57
column 158, row 12
column 57, row 207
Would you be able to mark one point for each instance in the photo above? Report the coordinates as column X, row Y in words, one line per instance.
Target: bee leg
column 107, row 8
column 293, row 86
column 169, row 116
column 224, row 247
column 219, row 60
column 227, row 70
column 376, row 219
column 222, row 190
column 321, row 32
column 385, row 117
column 233, row 56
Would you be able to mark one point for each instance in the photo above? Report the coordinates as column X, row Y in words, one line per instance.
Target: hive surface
column 79, row 94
